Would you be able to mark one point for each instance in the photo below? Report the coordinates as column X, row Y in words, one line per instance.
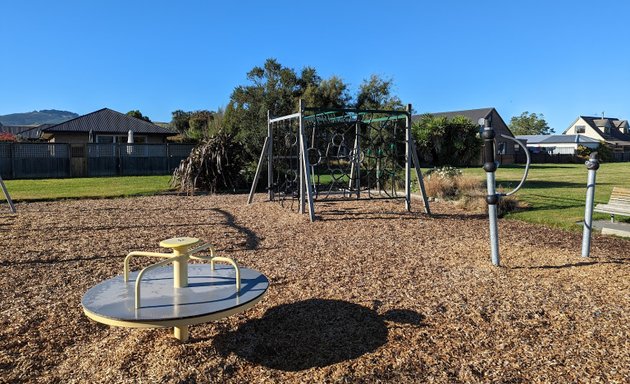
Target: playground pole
column 408, row 158
column 592, row 164
column 269, row 158
column 492, row 199
column 7, row 196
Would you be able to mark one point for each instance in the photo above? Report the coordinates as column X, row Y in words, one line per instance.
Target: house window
column 580, row 129
column 122, row 139
column 501, row 148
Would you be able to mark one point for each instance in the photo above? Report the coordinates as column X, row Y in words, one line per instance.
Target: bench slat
column 618, row 203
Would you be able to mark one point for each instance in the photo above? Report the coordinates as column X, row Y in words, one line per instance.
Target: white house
column 611, row 130
column 558, row 144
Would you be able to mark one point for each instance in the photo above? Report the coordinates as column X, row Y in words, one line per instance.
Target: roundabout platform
column 175, row 295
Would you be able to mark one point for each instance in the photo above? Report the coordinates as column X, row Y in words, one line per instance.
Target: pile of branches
column 213, row 165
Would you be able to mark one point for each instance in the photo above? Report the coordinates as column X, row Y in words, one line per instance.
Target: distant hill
column 45, row 116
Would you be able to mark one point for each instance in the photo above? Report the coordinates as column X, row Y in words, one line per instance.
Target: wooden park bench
column 618, row 204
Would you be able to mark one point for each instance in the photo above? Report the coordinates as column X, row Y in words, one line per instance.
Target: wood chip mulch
column 368, row 293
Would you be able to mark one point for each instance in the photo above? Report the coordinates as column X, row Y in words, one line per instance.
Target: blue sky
column 558, row 58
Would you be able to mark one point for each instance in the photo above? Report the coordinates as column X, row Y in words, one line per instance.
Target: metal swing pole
column 592, row 164
column 492, row 198
column 408, row 152
column 269, row 158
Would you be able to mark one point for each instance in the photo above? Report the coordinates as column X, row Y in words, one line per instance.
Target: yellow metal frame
column 182, row 252
column 179, row 258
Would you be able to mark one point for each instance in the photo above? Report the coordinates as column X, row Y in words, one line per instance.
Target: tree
column 328, row 93
column 179, row 120
column 376, row 93
column 277, row 89
column 529, row 124
column 447, row 141
column 138, row 115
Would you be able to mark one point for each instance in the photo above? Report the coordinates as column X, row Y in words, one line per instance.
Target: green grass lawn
column 556, row 193
column 51, row 189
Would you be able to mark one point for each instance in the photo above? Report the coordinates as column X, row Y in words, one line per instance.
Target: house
column 106, row 126
column 610, row 130
column 24, row 132
column 505, row 147
column 558, row 144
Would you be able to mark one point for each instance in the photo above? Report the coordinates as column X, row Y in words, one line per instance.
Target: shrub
column 213, row 165
column 466, row 192
column 7, row 137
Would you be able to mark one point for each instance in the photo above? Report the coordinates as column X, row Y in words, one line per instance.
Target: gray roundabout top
column 210, row 294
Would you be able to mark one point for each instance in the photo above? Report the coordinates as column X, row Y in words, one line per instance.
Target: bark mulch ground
column 368, row 293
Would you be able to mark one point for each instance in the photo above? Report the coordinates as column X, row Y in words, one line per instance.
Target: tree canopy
column 529, row 124
column 277, row 89
column 444, row 141
column 138, row 115
column 376, row 93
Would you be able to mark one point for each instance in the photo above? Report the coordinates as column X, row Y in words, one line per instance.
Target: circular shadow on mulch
column 309, row 333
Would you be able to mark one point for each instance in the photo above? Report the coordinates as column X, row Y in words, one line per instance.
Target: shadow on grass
column 312, row 333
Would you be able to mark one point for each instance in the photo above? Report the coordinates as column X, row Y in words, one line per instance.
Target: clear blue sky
column 559, row 58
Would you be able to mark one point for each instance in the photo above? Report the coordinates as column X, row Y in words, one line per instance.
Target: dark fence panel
column 40, row 160
column 143, row 159
column 135, row 159
column 544, row 157
column 6, row 157
column 102, row 160
column 49, row 160
column 622, row 156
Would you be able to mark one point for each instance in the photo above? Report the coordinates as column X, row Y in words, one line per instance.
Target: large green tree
column 376, row 93
column 277, row 89
column 138, row 115
column 529, row 124
column 444, row 141
column 180, row 120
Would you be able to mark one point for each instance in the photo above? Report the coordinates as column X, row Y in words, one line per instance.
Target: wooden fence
column 53, row 160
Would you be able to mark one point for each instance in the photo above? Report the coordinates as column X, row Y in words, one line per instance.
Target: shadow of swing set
column 315, row 154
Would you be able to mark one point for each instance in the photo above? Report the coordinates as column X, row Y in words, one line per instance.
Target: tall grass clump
column 465, row 191
column 213, row 165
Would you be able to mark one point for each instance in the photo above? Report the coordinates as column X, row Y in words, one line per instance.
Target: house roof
column 472, row 114
column 108, row 121
column 557, row 139
column 24, row 131
column 598, row 124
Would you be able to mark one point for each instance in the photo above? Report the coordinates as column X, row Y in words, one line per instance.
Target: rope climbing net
column 318, row 154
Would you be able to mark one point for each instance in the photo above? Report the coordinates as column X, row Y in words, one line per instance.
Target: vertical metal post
column 258, row 170
column 492, row 199
column 592, row 165
column 416, row 167
column 355, row 165
column 7, row 196
column 305, row 166
column 301, row 157
column 408, row 158
column 269, row 158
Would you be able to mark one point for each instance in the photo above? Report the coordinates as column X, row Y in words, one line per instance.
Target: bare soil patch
column 368, row 293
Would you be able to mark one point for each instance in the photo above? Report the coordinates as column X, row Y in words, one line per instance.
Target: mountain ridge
column 44, row 116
